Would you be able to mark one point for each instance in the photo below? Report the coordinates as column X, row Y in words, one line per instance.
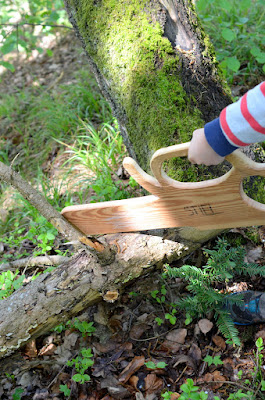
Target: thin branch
column 38, row 201
column 30, row 24
column 231, row 383
column 33, row 262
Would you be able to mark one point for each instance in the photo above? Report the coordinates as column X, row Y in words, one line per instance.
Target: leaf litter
column 121, row 369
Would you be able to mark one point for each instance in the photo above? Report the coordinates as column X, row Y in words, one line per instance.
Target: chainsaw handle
column 244, row 165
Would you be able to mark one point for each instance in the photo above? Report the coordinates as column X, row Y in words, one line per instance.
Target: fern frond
column 223, row 263
column 189, row 304
column 213, row 297
column 252, row 269
column 186, row 272
column 227, row 327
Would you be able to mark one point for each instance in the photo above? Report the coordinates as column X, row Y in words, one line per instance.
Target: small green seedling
column 216, row 360
column 239, row 395
column 159, row 295
column 152, row 365
column 86, row 328
column 188, row 319
column 81, row 364
column 171, row 317
column 65, row 390
column 59, row 328
column 133, row 294
column 191, row 392
column 159, row 321
column 166, row 395
column 17, row 394
column 10, row 376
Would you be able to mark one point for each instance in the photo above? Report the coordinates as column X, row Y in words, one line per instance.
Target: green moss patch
column 128, row 46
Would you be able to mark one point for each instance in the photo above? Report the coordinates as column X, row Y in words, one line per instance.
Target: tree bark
column 77, row 284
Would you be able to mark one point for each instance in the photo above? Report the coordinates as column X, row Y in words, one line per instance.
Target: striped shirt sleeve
column 239, row 124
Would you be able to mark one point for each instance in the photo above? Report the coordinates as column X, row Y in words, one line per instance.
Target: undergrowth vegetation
column 236, row 29
column 224, row 264
column 207, row 288
column 86, row 145
column 24, row 23
column 249, row 389
column 39, row 116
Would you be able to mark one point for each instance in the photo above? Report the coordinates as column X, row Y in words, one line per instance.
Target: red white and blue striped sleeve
column 239, row 124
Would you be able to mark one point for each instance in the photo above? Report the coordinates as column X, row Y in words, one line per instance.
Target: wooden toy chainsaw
column 213, row 204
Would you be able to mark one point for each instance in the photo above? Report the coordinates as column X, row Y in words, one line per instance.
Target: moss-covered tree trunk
column 157, row 69
column 154, row 64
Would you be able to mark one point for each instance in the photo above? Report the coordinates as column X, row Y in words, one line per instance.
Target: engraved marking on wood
column 214, row 204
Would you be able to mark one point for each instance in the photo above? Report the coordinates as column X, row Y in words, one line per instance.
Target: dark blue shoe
column 249, row 309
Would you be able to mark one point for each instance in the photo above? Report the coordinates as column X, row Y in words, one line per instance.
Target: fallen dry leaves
column 131, row 368
column 47, row 350
column 174, row 340
column 30, row 350
column 216, row 379
column 205, row 325
column 219, row 342
column 153, row 383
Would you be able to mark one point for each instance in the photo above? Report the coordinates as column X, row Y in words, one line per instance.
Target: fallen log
column 54, row 298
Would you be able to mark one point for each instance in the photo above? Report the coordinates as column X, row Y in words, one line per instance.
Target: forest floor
column 139, row 350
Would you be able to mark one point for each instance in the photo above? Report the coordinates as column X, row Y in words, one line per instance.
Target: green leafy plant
column 81, row 364
column 188, row 319
column 10, row 376
column 133, row 294
column 59, row 328
column 9, row 282
column 32, row 19
column 17, row 394
column 223, row 263
column 152, row 365
column 166, row 395
column 237, row 32
column 216, row 360
column 258, row 376
column 191, row 392
column 171, row 316
column 159, row 295
column 239, row 394
column 159, row 321
column 86, row 328
column 40, row 232
column 169, row 310
column 65, row 390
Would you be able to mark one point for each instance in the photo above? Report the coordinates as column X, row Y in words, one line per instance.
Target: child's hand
column 200, row 152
